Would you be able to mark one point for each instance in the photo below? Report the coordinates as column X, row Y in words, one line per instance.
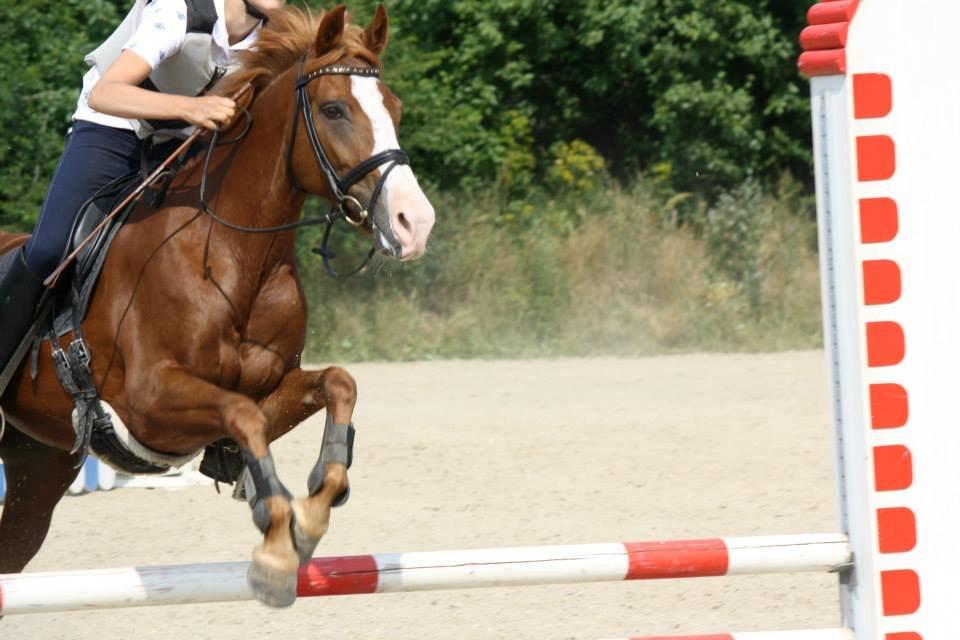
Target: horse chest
column 250, row 353
column 274, row 334
column 259, row 369
column 245, row 364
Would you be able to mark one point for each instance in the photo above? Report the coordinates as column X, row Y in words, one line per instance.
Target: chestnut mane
column 285, row 38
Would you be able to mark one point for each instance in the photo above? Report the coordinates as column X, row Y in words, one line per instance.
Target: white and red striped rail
column 427, row 570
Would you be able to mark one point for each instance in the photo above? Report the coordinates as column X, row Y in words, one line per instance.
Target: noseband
column 339, row 186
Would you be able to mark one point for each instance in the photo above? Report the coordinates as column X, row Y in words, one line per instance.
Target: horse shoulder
column 274, row 334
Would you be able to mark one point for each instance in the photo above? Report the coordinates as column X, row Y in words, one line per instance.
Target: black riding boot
column 20, row 292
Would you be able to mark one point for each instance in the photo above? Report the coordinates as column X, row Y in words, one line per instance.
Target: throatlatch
column 337, row 448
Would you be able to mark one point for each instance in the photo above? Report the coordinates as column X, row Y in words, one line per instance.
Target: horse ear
column 375, row 35
column 331, row 29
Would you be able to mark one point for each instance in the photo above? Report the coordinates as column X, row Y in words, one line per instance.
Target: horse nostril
column 404, row 223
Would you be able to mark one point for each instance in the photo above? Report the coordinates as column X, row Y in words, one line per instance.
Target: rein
column 339, row 186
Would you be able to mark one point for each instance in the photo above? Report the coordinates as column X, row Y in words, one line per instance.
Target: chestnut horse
column 198, row 323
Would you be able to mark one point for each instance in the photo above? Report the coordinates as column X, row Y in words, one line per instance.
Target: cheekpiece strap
column 338, row 70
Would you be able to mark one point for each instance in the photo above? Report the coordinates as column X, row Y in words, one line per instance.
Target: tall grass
column 618, row 271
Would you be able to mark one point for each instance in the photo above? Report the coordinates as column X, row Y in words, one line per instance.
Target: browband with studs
column 339, row 70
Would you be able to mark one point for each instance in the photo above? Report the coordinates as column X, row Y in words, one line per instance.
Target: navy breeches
column 94, row 156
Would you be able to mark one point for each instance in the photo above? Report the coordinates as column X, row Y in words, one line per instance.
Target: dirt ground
column 485, row 454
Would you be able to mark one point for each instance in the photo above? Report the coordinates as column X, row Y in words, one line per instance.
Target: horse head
column 344, row 143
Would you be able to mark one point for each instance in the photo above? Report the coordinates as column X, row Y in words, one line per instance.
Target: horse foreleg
column 301, row 394
column 171, row 395
column 37, row 476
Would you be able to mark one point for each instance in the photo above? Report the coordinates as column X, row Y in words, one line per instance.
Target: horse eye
column 333, row 112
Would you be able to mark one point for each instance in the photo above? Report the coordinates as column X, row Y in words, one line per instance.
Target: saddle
column 72, row 299
column 63, row 309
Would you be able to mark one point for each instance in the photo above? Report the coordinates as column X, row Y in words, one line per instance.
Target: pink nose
column 411, row 220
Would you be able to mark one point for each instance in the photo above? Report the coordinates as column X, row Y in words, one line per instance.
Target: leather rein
column 346, row 207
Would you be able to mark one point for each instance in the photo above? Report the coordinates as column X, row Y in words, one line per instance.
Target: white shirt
column 161, row 34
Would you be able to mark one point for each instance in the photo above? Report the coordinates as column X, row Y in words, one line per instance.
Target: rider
column 153, row 69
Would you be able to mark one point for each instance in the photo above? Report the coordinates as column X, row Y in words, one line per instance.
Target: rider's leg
column 20, row 292
column 94, row 156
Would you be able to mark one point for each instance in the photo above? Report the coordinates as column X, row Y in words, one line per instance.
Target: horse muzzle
column 403, row 218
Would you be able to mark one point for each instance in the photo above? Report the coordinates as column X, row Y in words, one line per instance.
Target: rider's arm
column 160, row 35
column 117, row 94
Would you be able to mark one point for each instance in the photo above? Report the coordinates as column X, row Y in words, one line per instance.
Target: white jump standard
column 886, row 125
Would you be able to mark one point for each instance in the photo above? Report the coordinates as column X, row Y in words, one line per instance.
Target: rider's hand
column 209, row 112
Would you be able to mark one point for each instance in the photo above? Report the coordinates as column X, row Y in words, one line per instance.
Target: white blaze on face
column 411, row 214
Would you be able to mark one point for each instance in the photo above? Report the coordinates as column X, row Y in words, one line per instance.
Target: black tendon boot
column 20, row 292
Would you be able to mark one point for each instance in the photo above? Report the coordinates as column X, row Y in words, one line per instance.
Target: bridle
column 339, row 186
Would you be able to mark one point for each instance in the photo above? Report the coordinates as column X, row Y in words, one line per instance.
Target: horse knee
column 246, row 424
column 340, row 386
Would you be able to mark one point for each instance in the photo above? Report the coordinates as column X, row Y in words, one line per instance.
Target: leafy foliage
column 41, row 62
column 576, row 167
column 706, row 89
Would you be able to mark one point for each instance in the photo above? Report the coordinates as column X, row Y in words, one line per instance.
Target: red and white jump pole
column 428, row 570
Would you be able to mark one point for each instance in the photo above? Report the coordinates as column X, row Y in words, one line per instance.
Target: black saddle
column 6, row 262
column 73, row 298
column 62, row 310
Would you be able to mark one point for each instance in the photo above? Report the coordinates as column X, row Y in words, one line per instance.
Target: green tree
column 42, row 45
column 707, row 87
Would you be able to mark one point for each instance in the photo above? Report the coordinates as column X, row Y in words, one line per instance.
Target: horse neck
column 256, row 190
column 248, row 185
